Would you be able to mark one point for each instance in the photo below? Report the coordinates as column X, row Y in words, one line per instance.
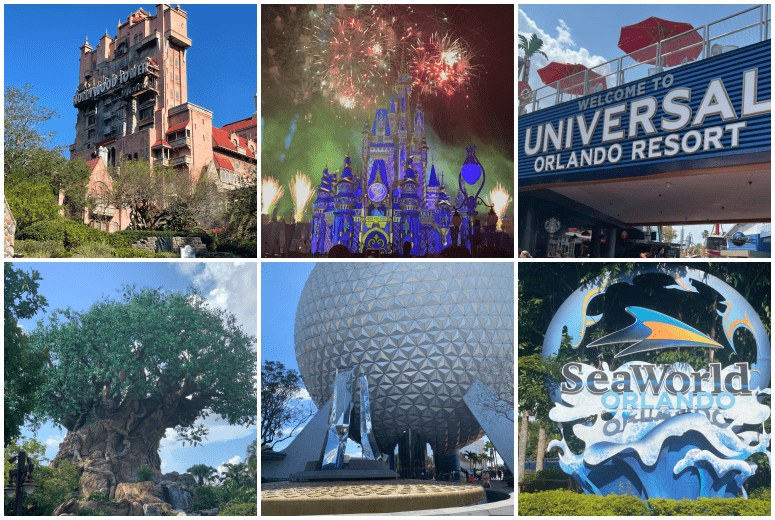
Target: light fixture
column 456, row 219
column 29, row 485
column 10, row 491
column 492, row 217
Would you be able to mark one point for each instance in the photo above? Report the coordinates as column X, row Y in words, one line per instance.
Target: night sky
column 302, row 125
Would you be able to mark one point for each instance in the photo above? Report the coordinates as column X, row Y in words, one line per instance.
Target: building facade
column 132, row 101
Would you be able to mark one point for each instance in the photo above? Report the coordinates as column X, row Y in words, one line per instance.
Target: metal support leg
column 339, row 420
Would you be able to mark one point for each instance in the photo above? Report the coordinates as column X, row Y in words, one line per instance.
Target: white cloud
column 304, row 395
column 232, row 286
column 562, row 49
column 54, row 441
column 234, row 460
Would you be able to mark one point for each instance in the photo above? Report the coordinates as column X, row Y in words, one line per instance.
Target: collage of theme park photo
column 643, row 272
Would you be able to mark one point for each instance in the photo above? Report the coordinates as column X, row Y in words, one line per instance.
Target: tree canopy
column 280, row 388
column 169, row 356
column 23, row 362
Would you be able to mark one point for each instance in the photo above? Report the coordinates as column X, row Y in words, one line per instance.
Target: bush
column 90, row 512
column 510, row 481
column 31, row 201
column 240, row 510
column 144, row 474
column 568, row 503
column 240, row 249
column 45, row 249
column 529, row 486
column 98, row 496
column 205, row 497
column 762, row 493
column 93, row 250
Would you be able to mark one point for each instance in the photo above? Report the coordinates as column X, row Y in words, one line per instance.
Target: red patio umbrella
column 522, row 86
column 570, row 80
column 652, row 30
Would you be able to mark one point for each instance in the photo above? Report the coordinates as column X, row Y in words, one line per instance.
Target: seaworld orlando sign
column 661, row 431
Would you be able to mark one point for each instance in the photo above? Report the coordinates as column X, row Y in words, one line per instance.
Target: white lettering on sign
column 109, row 84
column 643, row 121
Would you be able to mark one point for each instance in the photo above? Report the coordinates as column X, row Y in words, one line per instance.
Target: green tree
column 243, row 213
column 531, row 48
column 23, row 362
column 668, row 233
column 125, row 371
column 55, row 484
column 202, row 472
column 31, row 201
column 252, row 458
column 22, row 138
column 280, row 403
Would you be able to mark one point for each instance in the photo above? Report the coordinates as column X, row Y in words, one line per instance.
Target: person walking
column 485, row 479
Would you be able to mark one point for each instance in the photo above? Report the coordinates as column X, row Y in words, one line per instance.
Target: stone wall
column 149, row 244
column 10, row 230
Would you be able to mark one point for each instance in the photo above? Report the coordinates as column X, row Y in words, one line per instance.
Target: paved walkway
column 500, row 508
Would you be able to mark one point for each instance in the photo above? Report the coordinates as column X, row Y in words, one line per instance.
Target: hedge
column 240, row 510
column 73, row 234
column 568, row 503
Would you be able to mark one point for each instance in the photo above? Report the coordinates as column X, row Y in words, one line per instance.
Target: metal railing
column 752, row 25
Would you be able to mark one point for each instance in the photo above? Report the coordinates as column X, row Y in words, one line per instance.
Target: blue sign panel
column 657, row 430
column 713, row 112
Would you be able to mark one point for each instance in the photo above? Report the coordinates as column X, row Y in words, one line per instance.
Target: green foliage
column 55, row 485
column 241, row 249
column 761, row 493
column 93, row 250
column 144, row 473
column 30, row 201
column 568, row 503
column 90, row 512
column 531, row 484
column 279, row 402
column 247, row 509
column 203, row 472
column 98, row 496
column 22, row 117
column 243, row 215
column 23, row 362
column 34, row 249
column 205, row 497
column 150, row 344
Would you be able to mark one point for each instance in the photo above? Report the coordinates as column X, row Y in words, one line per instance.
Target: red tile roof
column 221, row 139
column 223, row 162
column 138, row 19
column 161, row 142
column 92, row 163
column 178, row 126
column 240, row 125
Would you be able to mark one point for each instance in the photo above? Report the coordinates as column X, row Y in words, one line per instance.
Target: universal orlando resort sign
column 661, row 431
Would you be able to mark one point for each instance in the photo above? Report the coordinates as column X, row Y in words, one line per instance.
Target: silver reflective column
column 339, row 420
column 368, row 441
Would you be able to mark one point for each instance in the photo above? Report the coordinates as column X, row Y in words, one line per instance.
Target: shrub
column 98, row 496
column 510, row 481
column 31, row 201
column 45, row 249
column 93, row 250
column 240, row 249
column 144, row 474
column 568, row 503
column 88, row 511
column 249, row 509
column 205, row 497
column 762, row 493
column 551, row 474
column 71, row 234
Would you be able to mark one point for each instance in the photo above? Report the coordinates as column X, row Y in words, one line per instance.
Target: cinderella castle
column 393, row 199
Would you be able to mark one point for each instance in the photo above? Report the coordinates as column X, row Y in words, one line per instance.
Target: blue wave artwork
column 642, row 447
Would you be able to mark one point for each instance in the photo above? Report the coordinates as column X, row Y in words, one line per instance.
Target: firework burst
column 441, row 65
column 271, row 193
column 301, row 192
column 500, row 200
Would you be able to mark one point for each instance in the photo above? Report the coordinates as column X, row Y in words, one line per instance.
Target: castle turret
column 392, row 113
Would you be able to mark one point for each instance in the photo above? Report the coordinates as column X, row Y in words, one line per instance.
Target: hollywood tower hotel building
column 132, row 101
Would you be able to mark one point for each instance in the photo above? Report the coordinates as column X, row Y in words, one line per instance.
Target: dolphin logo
column 652, row 331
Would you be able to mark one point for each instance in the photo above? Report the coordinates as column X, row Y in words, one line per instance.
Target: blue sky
column 222, row 58
column 589, row 34
column 281, row 286
column 229, row 285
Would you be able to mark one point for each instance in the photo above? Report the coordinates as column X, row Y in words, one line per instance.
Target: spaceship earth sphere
column 419, row 331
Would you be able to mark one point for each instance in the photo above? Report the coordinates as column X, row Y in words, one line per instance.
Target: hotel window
column 91, row 120
column 91, row 134
column 146, row 112
column 177, row 79
column 176, row 62
column 177, row 95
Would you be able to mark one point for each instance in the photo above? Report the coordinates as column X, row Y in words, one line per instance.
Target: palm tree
column 471, row 456
column 490, row 447
column 531, row 48
column 202, row 472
